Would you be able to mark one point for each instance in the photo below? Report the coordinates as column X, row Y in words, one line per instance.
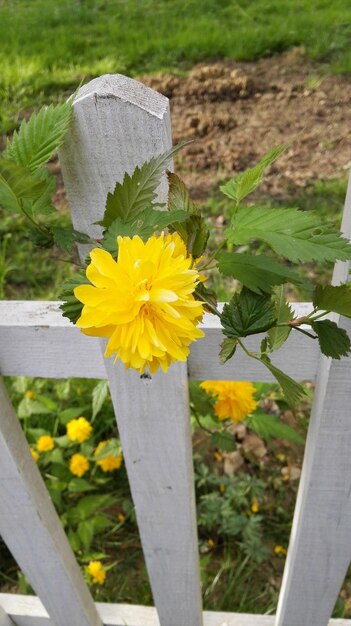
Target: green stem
column 213, row 256
column 313, row 319
column 207, row 430
column 43, row 230
column 304, row 332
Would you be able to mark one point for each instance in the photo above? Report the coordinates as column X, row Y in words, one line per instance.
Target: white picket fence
column 118, row 124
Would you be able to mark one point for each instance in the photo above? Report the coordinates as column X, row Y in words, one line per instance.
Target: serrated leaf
column 243, row 184
column 99, row 395
column 42, row 204
column 71, row 307
column 333, row 341
column 146, row 224
column 247, row 313
column 292, row 390
column 293, row 234
column 268, row 426
column 65, row 237
column 224, row 441
column 258, row 273
column 17, row 184
column 277, row 335
column 228, row 347
column 40, row 137
column 194, row 230
column 336, row 299
column 137, row 191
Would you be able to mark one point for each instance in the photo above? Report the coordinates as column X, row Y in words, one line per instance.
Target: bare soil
column 235, row 112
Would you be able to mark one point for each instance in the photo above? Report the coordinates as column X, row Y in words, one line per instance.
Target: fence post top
column 128, row 90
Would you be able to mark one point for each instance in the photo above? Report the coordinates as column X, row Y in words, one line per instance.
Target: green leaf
column 85, row 532
column 277, row 335
column 292, row 390
column 17, row 184
column 90, row 504
column 247, row 313
column 207, row 296
column 146, row 224
column 71, row 306
column 224, row 441
column 333, row 341
column 99, row 395
column 243, row 184
column 267, row 426
column 193, row 231
column 200, row 401
column 111, row 448
column 66, row 237
column 40, row 137
column 80, row 485
column 336, row 299
column 69, row 414
column 228, row 347
column 293, row 234
column 42, row 204
column 259, row 273
column 138, row 191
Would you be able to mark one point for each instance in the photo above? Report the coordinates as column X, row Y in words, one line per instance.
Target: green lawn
column 49, row 46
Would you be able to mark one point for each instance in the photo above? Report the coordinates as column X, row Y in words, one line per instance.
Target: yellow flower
column 235, row 400
column 79, row 429
column 30, row 394
column 121, row 518
column 255, row 507
column 280, row 551
column 34, row 454
column 109, row 463
column 211, row 543
column 143, row 302
column 97, row 572
column 45, row 443
column 78, row 465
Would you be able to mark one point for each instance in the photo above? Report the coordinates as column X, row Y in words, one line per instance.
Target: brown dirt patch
column 235, row 112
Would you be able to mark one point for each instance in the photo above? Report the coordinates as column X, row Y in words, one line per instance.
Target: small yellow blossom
column 109, row 463
column 211, row 543
column 218, row 456
column 45, row 443
column 78, row 465
column 79, row 429
column 121, row 518
column 97, row 572
column 30, row 394
column 280, row 457
column 34, row 454
column 235, row 400
column 222, row 488
column 143, row 302
column 255, row 507
column 280, row 551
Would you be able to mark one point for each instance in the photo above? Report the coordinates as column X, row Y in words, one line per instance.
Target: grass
column 49, row 46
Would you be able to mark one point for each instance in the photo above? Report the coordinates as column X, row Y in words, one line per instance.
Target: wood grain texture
column 28, row 611
column 33, row 532
column 320, row 546
column 119, row 124
column 36, row 340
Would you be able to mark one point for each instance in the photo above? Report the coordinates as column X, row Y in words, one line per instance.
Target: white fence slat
column 35, row 340
column 118, row 124
column 320, row 545
column 5, row 620
column 33, row 532
column 29, row 611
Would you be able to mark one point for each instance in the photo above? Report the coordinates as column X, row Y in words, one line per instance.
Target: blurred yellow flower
column 280, row 551
column 143, row 302
column 97, row 572
column 30, row 394
column 34, row 454
column 110, row 462
column 78, row 465
column 121, row 518
column 235, row 400
column 255, row 507
column 211, row 543
column 79, row 429
column 45, row 443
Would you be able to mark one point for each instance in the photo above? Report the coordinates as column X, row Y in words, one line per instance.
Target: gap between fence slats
column 33, row 532
column 119, row 124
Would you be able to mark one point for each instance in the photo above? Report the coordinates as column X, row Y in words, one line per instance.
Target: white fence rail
column 119, row 124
